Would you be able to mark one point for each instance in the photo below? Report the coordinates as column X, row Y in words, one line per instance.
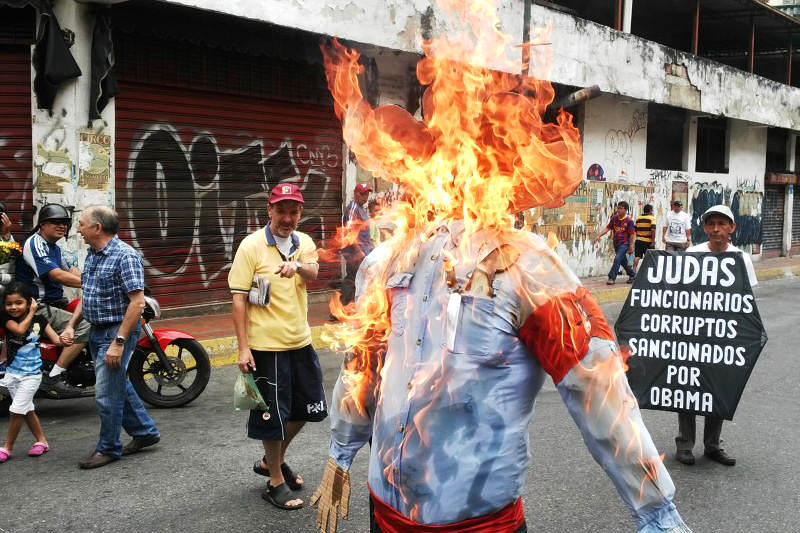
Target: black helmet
column 53, row 212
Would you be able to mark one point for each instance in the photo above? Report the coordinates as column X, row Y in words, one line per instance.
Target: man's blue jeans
column 117, row 403
column 620, row 260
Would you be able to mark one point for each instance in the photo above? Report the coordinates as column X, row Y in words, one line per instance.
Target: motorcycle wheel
column 155, row 386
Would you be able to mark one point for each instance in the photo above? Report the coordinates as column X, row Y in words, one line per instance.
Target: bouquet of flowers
column 9, row 249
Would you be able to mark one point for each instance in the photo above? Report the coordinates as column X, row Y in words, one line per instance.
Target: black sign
column 693, row 330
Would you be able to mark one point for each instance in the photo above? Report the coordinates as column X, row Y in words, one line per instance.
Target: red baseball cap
column 362, row 187
column 285, row 191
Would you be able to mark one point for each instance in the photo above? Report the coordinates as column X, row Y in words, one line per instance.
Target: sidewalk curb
column 222, row 350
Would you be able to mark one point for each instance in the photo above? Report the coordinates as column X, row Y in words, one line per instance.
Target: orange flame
column 480, row 151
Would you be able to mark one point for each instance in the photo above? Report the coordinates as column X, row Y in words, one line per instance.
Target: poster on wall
column 94, row 161
column 693, row 330
column 680, row 192
column 53, row 169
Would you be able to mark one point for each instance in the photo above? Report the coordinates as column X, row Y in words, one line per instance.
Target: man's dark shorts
column 291, row 384
column 640, row 248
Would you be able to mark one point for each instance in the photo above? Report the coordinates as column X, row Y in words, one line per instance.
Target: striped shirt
column 108, row 276
column 645, row 228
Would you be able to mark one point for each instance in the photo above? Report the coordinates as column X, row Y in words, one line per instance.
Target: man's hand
column 5, row 226
column 246, row 361
column 68, row 336
column 333, row 497
column 113, row 355
column 287, row 269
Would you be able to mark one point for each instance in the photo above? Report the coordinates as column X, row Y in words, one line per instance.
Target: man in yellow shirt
column 645, row 234
column 275, row 339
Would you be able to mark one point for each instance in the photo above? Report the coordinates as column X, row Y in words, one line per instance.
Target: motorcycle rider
column 7, row 268
column 42, row 267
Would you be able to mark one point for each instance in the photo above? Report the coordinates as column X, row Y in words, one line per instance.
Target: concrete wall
column 56, row 136
column 584, row 53
column 615, row 138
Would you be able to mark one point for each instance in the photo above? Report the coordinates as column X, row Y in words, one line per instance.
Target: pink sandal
column 4, row 455
column 38, row 449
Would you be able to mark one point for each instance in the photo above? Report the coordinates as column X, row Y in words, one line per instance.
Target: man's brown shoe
column 139, row 443
column 685, row 456
column 721, row 457
column 96, row 460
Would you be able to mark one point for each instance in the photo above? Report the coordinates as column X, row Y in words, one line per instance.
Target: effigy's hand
column 332, row 496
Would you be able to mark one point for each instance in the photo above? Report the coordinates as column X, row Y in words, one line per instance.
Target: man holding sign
column 719, row 226
column 694, row 333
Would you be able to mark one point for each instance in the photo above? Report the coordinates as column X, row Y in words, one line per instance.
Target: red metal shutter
column 16, row 161
column 193, row 172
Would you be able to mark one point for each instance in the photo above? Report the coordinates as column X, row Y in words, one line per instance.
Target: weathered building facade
column 220, row 100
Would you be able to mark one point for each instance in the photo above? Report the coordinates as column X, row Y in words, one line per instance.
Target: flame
column 480, row 151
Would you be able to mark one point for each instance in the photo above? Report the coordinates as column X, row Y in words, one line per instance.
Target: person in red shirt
column 622, row 229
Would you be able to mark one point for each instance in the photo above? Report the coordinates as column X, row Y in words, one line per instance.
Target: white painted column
column 56, row 135
column 627, row 15
column 690, row 144
column 788, row 202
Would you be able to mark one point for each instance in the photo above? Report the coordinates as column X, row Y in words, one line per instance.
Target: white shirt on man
column 748, row 263
column 677, row 226
column 284, row 244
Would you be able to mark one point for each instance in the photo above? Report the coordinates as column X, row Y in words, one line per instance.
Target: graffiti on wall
column 208, row 198
column 744, row 201
column 619, row 145
column 588, row 209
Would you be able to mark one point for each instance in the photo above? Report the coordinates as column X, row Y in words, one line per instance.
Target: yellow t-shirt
column 283, row 324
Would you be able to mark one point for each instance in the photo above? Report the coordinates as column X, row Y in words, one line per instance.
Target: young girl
column 24, row 360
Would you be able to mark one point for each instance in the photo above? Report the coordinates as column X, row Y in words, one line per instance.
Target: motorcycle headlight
column 151, row 308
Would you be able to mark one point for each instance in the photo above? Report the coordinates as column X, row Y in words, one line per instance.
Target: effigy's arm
column 566, row 331
column 355, row 394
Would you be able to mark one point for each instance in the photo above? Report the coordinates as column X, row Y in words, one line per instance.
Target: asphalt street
column 199, row 478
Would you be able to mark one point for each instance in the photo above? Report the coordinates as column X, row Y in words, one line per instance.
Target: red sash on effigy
column 507, row 520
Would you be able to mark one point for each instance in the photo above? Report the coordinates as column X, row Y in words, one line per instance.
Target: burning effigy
column 459, row 317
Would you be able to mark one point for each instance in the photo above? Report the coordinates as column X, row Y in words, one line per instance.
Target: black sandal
column 260, row 470
column 288, row 475
column 278, row 496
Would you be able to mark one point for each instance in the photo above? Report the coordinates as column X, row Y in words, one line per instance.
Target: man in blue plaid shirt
column 113, row 299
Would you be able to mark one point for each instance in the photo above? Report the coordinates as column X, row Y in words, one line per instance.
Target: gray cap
column 718, row 210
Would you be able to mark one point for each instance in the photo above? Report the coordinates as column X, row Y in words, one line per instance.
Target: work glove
column 333, row 497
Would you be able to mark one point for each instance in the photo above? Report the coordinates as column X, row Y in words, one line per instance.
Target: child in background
column 374, row 208
column 24, row 365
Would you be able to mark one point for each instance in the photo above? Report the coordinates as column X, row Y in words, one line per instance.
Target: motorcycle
column 168, row 368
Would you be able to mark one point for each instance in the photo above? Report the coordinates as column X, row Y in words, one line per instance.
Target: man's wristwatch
column 298, row 265
column 120, row 340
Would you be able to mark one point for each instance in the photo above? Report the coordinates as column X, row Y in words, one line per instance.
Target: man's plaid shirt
column 108, row 276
